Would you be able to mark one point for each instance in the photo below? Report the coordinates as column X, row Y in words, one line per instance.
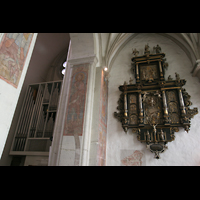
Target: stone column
column 99, row 119
column 71, row 140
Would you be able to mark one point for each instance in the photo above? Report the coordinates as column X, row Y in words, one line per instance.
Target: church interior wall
column 100, row 139
column 46, row 59
column 184, row 150
column 10, row 91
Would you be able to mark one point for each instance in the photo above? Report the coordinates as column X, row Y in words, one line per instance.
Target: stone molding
column 81, row 60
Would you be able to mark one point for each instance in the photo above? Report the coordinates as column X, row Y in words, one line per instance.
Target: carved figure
column 157, row 49
column 162, row 135
column 147, row 51
column 157, row 93
column 135, row 52
column 148, row 136
column 165, row 65
column 170, row 78
column 177, row 76
column 132, row 99
column 144, row 95
column 131, row 81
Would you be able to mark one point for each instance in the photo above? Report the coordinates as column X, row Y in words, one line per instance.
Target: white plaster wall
column 185, row 149
column 8, row 99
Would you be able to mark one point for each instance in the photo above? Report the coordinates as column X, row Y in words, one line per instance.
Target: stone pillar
column 99, row 119
column 71, row 140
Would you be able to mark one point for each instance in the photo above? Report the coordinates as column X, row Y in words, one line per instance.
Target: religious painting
column 173, row 107
column 133, row 98
column 152, row 109
column 76, row 101
column 133, row 119
column 171, row 96
column 175, row 119
column 133, row 108
column 14, row 48
column 103, row 121
column 132, row 158
column 148, row 72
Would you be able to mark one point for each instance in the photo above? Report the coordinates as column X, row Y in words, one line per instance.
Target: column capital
column 86, row 59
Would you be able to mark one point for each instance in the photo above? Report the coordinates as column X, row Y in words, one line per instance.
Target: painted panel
column 76, row 108
column 14, row 48
column 76, row 101
column 148, row 72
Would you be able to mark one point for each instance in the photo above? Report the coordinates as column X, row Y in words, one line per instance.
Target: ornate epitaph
column 154, row 108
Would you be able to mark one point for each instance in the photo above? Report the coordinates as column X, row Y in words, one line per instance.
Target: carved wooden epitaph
column 154, row 108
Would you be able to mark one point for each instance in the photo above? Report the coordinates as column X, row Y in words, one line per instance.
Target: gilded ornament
column 154, row 108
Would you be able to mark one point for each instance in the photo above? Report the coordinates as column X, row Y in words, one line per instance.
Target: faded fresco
column 76, row 101
column 76, row 106
column 132, row 158
column 103, row 121
column 13, row 51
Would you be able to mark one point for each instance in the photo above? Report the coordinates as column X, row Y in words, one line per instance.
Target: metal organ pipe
column 37, row 118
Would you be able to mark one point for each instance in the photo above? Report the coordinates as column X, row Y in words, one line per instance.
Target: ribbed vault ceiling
column 108, row 45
